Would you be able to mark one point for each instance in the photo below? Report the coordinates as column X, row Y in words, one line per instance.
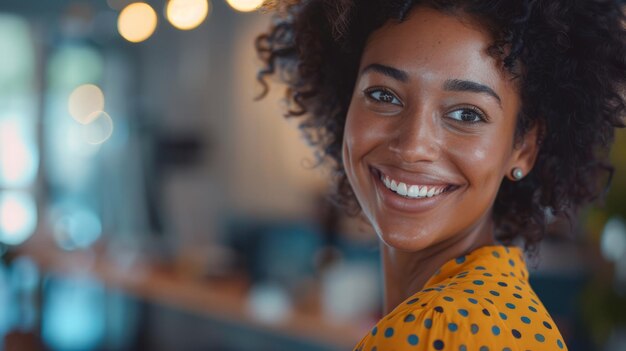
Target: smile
column 416, row 193
column 412, row 191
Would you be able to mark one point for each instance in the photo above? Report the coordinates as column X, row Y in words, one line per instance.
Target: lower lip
column 408, row 205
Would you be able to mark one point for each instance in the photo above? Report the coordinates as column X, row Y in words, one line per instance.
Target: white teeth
column 402, row 190
column 431, row 192
column 413, row 191
column 423, row 191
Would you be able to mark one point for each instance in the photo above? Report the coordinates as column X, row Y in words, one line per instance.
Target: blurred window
column 19, row 156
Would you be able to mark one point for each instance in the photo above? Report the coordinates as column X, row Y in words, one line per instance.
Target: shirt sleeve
column 439, row 326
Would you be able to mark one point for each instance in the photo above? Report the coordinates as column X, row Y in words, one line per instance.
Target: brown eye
column 467, row 115
column 383, row 96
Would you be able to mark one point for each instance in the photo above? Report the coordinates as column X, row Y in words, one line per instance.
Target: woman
column 456, row 128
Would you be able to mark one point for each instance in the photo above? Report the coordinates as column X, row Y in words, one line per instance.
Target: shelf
column 224, row 299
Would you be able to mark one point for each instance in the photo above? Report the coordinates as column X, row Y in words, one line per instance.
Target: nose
column 416, row 138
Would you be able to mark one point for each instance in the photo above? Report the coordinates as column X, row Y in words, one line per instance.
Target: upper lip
column 412, row 177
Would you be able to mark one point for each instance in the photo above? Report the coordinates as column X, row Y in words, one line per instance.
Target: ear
column 525, row 150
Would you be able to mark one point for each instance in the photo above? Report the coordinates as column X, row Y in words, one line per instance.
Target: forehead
column 433, row 45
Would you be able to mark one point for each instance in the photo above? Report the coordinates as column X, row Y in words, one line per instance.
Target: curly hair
column 569, row 57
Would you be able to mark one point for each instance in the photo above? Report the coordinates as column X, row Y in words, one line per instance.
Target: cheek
column 481, row 160
column 359, row 136
column 365, row 129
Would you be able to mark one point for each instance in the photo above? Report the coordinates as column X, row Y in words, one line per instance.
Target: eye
column 381, row 95
column 468, row 115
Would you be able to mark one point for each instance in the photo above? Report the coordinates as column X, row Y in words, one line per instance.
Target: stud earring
column 517, row 173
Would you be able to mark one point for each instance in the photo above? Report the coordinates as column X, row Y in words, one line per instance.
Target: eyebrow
column 389, row 71
column 449, row 85
column 468, row 85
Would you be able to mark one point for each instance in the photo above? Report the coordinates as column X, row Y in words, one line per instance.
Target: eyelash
column 368, row 94
column 476, row 110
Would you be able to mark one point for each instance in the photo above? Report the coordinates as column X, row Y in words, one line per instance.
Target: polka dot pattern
column 413, row 339
column 474, row 328
column 388, row 332
column 478, row 301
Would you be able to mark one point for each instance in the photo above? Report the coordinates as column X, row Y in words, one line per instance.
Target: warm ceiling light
column 187, row 14
column 85, row 100
column 137, row 22
column 245, row 5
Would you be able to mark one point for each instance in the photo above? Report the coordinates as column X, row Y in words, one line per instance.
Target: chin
column 406, row 240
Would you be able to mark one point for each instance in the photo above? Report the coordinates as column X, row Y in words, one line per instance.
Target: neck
column 406, row 273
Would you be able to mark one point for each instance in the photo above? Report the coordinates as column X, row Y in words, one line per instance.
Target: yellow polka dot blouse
column 478, row 302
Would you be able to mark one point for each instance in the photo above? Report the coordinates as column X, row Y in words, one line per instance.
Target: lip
column 412, row 178
column 408, row 205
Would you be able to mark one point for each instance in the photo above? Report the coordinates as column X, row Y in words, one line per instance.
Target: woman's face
column 434, row 115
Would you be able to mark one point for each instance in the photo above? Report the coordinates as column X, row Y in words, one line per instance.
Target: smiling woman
column 454, row 127
column 446, row 131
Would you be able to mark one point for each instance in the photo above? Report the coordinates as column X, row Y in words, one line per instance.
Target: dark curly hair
column 569, row 57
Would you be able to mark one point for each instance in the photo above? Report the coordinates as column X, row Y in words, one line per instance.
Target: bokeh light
column 269, row 303
column 84, row 101
column 74, row 225
column 137, row 22
column 18, row 154
column 73, row 316
column 99, row 129
column 613, row 240
column 245, row 5
column 18, row 217
column 187, row 14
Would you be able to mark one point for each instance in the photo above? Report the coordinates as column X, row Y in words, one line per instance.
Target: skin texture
column 414, row 133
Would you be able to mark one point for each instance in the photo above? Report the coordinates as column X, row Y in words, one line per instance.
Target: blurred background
column 148, row 203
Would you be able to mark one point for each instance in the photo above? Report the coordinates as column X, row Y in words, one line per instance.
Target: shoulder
column 446, row 320
column 481, row 301
column 464, row 318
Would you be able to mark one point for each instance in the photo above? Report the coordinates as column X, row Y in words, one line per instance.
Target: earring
column 517, row 173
